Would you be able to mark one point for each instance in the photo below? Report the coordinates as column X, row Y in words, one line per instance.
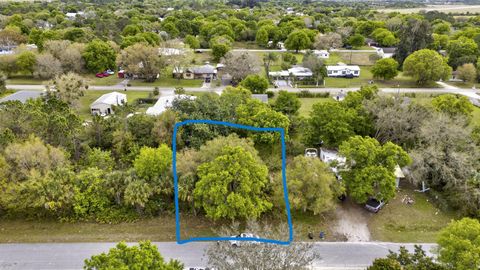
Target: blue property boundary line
column 284, row 181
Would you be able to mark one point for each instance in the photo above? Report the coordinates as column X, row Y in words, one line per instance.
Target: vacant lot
column 307, row 104
column 419, row 222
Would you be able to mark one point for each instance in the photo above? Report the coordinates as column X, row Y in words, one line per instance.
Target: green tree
column 255, row 83
column 143, row 256
column 316, row 65
column 416, row 260
column 298, row 40
column 426, row 66
column 192, row 42
column 453, row 105
column 385, row 264
column 3, row 83
column 220, row 45
column 386, row 69
column 462, row 50
column 331, row 123
column 262, row 37
column 315, row 189
column 459, row 244
column 142, row 60
column 411, row 41
column 26, row 62
column 68, row 88
column 467, row 73
column 356, row 40
column 232, row 186
column 287, row 103
column 268, row 59
column 258, row 114
column 370, row 167
column 153, row 163
column 384, row 37
column 99, row 56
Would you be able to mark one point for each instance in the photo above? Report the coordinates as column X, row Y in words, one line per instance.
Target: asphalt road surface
column 66, row 256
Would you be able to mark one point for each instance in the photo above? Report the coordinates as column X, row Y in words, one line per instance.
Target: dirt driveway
column 351, row 222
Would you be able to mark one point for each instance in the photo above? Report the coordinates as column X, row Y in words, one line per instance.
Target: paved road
column 335, row 255
column 448, row 89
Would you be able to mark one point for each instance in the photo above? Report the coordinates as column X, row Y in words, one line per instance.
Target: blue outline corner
column 284, row 181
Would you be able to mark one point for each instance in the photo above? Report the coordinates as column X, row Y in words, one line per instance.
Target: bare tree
column 240, row 65
column 47, row 66
column 261, row 256
column 68, row 87
column 327, row 41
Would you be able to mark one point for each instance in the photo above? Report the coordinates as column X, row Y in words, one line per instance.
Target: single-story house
column 262, row 97
column 201, row 72
column 321, row 54
column 104, row 104
column 22, row 96
column 343, row 71
column 163, row 103
column 297, row 72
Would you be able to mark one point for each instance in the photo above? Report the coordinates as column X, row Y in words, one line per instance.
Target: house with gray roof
column 199, row 72
column 22, row 96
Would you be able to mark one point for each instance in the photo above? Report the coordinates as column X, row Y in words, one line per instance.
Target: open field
column 358, row 58
column 110, row 80
column 454, row 9
column 419, row 222
column 307, row 104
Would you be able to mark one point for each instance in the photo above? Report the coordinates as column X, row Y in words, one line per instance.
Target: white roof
column 328, row 156
column 300, row 71
column 295, row 71
column 170, row 51
column 320, row 52
column 343, row 67
column 163, row 103
column 113, row 98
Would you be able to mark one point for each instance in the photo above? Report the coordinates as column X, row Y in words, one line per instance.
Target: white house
column 343, row 71
column 104, row 104
column 163, row 103
column 298, row 72
column 170, row 51
column 321, row 54
column 332, row 156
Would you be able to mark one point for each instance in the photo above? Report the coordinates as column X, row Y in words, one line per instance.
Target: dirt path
column 352, row 223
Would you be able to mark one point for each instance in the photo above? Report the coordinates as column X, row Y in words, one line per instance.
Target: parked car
column 199, row 268
column 374, row 205
column 110, row 72
column 100, row 75
column 349, row 76
column 311, row 152
column 236, row 243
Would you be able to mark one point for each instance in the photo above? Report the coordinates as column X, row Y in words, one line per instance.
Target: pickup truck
column 374, row 205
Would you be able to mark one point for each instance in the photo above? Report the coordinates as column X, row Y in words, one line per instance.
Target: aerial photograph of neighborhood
column 240, row 134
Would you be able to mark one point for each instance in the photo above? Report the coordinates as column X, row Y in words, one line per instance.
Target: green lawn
column 23, row 79
column 110, row 80
column 168, row 82
column 399, row 222
column 464, row 84
column 154, row 229
column 307, row 104
column 91, row 96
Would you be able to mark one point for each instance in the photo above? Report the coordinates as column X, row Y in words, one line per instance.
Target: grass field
column 454, row 9
column 110, row 80
column 22, row 79
column 465, row 85
column 168, row 82
column 91, row 96
column 358, row 58
column 399, row 222
column 307, row 104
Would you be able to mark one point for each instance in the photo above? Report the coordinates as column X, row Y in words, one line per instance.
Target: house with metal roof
column 298, row 72
column 343, row 71
column 105, row 103
column 163, row 103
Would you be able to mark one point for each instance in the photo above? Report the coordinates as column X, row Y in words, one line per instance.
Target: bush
column 156, row 91
column 308, row 94
column 270, row 94
column 146, row 100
